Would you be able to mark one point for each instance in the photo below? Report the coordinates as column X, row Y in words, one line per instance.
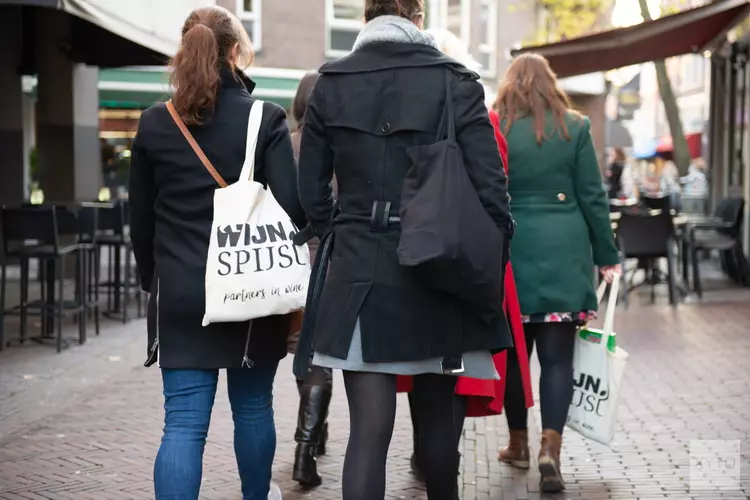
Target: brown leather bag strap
column 191, row 140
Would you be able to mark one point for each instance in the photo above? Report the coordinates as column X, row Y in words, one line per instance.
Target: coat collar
column 236, row 78
column 392, row 29
column 389, row 55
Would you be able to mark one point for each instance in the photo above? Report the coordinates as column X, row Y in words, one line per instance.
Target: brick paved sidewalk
column 86, row 424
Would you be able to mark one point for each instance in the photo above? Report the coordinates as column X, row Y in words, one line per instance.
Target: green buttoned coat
column 561, row 208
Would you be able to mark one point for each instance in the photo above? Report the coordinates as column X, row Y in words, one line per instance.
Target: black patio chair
column 114, row 236
column 723, row 233
column 656, row 203
column 88, row 230
column 648, row 236
column 35, row 233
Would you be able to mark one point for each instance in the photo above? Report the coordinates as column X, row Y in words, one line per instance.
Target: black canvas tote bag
column 447, row 236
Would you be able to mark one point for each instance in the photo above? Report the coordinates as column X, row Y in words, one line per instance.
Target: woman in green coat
column 561, row 208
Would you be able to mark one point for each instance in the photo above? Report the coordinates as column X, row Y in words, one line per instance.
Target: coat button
column 386, row 127
column 561, row 196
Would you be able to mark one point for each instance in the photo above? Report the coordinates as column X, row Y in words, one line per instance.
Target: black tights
column 554, row 347
column 372, row 413
column 460, row 407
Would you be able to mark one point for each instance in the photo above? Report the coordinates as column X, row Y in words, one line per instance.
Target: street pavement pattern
column 86, row 424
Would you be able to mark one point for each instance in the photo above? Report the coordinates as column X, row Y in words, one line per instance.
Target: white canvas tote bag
column 253, row 268
column 598, row 368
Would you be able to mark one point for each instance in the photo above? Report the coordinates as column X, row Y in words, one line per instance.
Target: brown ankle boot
column 517, row 452
column 549, row 462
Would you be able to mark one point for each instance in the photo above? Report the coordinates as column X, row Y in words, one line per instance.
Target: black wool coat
column 366, row 110
column 171, row 203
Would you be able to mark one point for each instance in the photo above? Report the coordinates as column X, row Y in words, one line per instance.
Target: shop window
column 344, row 20
column 249, row 13
column 486, row 50
column 457, row 18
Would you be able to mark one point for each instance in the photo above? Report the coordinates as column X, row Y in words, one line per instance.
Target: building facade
column 304, row 35
column 291, row 37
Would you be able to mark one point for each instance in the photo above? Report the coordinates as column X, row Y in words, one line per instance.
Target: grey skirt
column 477, row 364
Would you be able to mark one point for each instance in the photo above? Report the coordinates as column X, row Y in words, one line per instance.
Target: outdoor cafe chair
column 88, row 227
column 34, row 232
column 722, row 233
column 114, row 236
column 648, row 235
column 656, row 202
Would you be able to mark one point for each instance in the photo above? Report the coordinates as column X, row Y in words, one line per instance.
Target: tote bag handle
column 253, row 130
column 609, row 315
column 193, row 144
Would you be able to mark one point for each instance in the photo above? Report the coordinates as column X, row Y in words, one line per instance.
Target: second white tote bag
column 598, row 368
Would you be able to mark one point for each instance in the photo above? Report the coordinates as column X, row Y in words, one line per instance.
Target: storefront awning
column 694, row 142
column 690, row 31
column 140, row 87
column 103, row 32
column 98, row 34
column 651, row 147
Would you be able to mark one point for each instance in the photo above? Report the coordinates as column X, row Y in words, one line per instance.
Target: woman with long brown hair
column 171, row 200
column 563, row 232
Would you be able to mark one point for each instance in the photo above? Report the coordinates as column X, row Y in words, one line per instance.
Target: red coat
column 486, row 396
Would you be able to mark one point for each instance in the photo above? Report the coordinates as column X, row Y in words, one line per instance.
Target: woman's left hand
column 609, row 272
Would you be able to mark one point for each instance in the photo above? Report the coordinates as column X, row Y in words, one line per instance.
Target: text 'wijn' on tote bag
column 447, row 236
column 253, row 268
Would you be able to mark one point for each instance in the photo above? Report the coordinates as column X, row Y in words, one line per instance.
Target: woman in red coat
column 482, row 398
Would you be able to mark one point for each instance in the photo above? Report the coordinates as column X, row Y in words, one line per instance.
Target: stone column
column 66, row 115
column 12, row 171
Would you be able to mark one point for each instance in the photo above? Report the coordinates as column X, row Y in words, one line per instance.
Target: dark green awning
column 139, row 88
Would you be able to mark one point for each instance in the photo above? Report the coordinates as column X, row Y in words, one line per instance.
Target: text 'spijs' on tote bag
column 253, row 269
column 447, row 236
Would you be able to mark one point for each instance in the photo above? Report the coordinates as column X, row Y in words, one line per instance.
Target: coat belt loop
column 381, row 211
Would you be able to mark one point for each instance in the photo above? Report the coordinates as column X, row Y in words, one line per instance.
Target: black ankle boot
column 313, row 408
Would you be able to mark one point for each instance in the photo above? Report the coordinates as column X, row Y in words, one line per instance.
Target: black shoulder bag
column 447, row 236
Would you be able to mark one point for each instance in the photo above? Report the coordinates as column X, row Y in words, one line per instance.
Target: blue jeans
column 189, row 398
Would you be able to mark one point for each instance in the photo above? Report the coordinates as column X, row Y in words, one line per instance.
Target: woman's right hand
column 609, row 272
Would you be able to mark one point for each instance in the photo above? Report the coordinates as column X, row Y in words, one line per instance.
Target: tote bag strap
column 253, row 129
column 191, row 140
column 447, row 127
column 609, row 315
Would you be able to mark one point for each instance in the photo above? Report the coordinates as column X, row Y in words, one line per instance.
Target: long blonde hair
column 530, row 88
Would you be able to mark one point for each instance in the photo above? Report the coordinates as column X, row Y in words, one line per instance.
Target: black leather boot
column 313, row 409
column 321, row 450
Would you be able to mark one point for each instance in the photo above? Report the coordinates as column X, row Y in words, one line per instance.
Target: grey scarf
column 384, row 29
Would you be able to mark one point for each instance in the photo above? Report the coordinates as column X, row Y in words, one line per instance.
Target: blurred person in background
column 695, row 187
column 171, row 203
column 615, row 173
column 563, row 231
column 376, row 319
column 669, row 184
column 315, row 389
